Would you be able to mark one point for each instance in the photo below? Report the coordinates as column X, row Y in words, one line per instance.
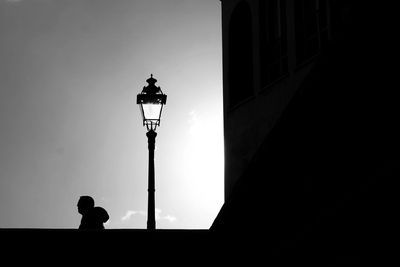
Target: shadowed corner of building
column 316, row 188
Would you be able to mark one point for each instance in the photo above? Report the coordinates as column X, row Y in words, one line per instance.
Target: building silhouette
column 310, row 130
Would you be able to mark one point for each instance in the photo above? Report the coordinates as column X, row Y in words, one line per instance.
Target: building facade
column 310, row 115
column 268, row 49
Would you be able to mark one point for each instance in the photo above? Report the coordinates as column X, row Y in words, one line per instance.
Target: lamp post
column 151, row 101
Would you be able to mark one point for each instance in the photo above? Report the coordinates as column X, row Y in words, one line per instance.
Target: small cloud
column 130, row 213
column 170, row 218
column 193, row 121
column 167, row 217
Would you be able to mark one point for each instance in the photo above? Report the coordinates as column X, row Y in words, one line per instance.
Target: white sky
column 70, row 71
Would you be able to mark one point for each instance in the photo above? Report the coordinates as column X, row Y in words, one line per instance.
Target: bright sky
column 70, row 71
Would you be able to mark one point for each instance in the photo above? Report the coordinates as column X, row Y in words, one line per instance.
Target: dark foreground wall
column 123, row 247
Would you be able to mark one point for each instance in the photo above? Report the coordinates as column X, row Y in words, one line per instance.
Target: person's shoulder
column 101, row 213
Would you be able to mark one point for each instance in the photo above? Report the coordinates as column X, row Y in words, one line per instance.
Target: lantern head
column 151, row 101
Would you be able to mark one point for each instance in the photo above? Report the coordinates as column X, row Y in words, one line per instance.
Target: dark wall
column 240, row 70
column 318, row 189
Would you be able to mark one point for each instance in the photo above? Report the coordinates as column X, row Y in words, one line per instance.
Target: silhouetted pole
column 151, row 219
column 151, row 101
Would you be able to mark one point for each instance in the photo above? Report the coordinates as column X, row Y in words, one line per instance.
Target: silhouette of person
column 92, row 217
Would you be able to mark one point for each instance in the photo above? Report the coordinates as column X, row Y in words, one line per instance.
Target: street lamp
column 151, row 101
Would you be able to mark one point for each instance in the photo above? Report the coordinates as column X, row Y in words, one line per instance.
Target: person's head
column 85, row 203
